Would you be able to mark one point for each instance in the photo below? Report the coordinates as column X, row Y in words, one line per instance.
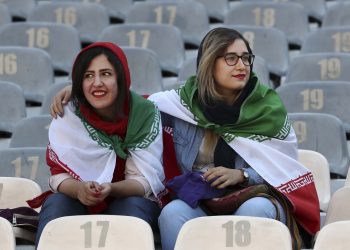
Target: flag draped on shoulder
column 262, row 136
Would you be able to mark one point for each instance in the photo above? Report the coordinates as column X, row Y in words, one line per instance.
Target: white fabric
column 82, row 156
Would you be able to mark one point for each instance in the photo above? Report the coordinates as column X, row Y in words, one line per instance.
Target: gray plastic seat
column 319, row 67
column 323, row 133
column 18, row 67
column 12, row 106
column 289, row 17
column 327, row 39
column 315, row 8
column 31, row 132
column 50, row 93
column 116, row 9
column 189, row 16
column 188, row 69
column 88, row 18
column 28, row 162
column 145, row 70
column 18, row 8
column 337, row 15
column 318, row 97
column 216, row 9
column 59, row 40
column 165, row 40
column 269, row 43
column 5, row 16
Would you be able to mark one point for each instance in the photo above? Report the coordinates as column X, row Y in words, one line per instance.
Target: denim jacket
column 187, row 141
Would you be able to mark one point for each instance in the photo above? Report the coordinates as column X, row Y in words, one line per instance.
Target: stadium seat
column 315, row 8
column 165, row 40
column 5, row 16
column 323, row 133
column 28, row 162
column 14, row 193
column 88, row 18
column 337, row 14
column 31, row 132
column 318, row 165
column 339, row 206
column 270, row 44
column 116, row 9
column 318, row 97
column 327, row 39
column 145, row 70
column 16, row 65
column 12, row 106
column 216, row 9
column 233, row 232
column 189, row 16
column 319, row 67
column 291, row 18
column 188, row 68
column 61, row 41
column 50, row 93
column 334, row 236
column 7, row 238
column 107, row 232
column 18, row 8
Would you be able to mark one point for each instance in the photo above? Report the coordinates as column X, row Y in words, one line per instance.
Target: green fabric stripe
column 139, row 134
column 262, row 115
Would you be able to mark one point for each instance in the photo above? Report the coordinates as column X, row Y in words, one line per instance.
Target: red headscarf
column 110, row 128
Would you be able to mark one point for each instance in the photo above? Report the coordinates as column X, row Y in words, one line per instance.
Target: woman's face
column 100, row 86
column 230, row 80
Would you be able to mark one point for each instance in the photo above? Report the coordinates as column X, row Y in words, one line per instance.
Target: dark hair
column 81, row 65
column 214, row 45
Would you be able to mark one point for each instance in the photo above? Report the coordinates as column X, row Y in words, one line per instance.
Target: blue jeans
column 58, row 205
column 177, row 212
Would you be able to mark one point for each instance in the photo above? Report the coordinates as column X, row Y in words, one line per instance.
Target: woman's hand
column 89, row 193
column 60, row 99
column 222, row 177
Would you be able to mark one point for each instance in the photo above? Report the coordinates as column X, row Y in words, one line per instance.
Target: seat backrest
column 7, row 238
column 156, row 37
column 339, row 206
column 145, row 70
column 333, row 236
column 54, row 38
column 50, row 93
column 14, row 191
column 189, row 16
column 116, row 9
column 319, row 67
column 329, row 97
column 31, row 132
column 27, row 163
column 327, row 39
column 88, row 18
column 270, row 44
column 224, row 232
column 291, row 18
column 337, row 15
column 18, row 8
column 12, row 106
column 216, row 9
column 315, row 8
column 318, row 165
column 5, row 16
column 16, row 65
column 188, row 69
column 107, row 232
column 323, row 133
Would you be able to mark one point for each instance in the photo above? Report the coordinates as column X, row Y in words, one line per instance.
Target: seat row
column 214, row 232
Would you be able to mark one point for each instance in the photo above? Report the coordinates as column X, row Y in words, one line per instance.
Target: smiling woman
column 105, row 152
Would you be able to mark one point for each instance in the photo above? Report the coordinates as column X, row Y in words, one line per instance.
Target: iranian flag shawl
column 262, row 136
